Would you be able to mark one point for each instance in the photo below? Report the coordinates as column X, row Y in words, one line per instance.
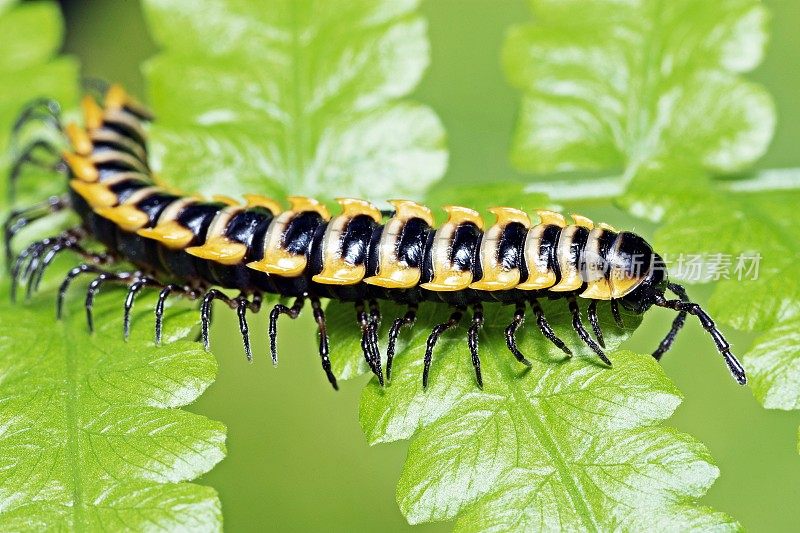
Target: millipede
column 197, row 248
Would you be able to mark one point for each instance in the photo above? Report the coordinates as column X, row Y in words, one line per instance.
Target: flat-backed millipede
column 186, row 245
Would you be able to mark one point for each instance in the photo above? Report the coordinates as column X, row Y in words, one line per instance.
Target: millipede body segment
column 187, row 245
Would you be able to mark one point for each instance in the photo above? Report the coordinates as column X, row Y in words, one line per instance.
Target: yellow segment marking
column 167, row 231
column 224, row 199
column 256, row 200
column 81, row 166
column 171, row 234
column 281, row 263
column 117, row 98
column 393, row 273
column 405, row 210
column 446, row 277
column 92, row 113
column 353, row 207
column 607, row 227
column 127, row 217
column 582, row 221
column 335, row 269
column 551, row 218
column 539, row 274
column 220, row 250
column 79, row 139
column 570, row 277
column 303, row 203
column 96, row 194
column 277, row 260
column 598, row 287
column 495, row 276
column 459, row 215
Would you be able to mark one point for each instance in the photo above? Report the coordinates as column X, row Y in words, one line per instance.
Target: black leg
column 23, row 262
column 205, row 312
column 71, row 275
column 94, row 288
column 375, row 324
column 324, row 350
column 45, row 109
column 35, row 278
column 511, row 333
column 617, row 315
column 433, row 338
column 44, row 255
column 134, row 289
column 70, row 241
column 582, row 333
column 677, row 324
column 36, row 259
column 242, row 305
column 708, row 324
column 399, row 323
column 32, row 262
column 472, row 341
column 369, row 349
column 280, row 309
column 20, row 218
column 545, row 328
column 363, row 321
column 162, row 298
column 28, row 157
column 592, row 313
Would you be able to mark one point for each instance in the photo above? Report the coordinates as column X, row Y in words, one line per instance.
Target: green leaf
column 743, row 241
column 755, row 230
column 93, row 437
column 654, row 91
column 18, row 49
column 29, row 67
column 743, row 237
column 298, row 96
column 568, row 444
column 774, row 364
column 607, row 85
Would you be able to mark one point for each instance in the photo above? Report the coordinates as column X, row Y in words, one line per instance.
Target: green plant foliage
column 292, row 95
column 774, row 363
column 678, row 112
column 514, row 456
column 93, row 438
column 307, row 98
column 676, row 88
column 29, row 66
column 752, row 227
column 567, row 444
column 729, row 223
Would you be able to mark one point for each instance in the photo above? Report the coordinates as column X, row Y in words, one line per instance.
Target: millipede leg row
column 208, row 249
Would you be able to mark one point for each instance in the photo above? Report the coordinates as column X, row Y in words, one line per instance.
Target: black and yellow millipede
column 192, row 247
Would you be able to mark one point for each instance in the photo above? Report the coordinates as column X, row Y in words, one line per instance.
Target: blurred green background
column 297, row 458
